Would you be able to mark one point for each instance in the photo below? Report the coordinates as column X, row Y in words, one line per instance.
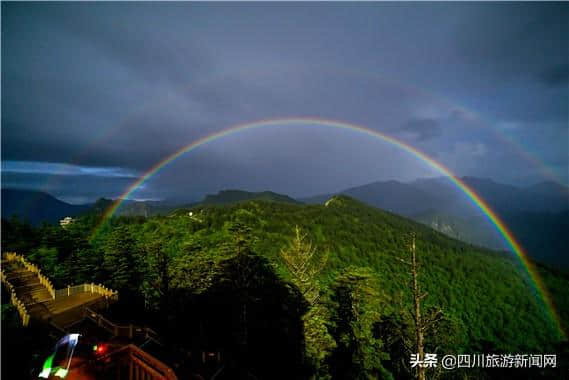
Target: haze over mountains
column 537, row 215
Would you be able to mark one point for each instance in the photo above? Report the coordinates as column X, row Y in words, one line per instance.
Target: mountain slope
column 401, row 198
column 438, row 204
column 137, row 208
column 487, row 298
column 485, row 292
column 542, row 197
column 36, row 206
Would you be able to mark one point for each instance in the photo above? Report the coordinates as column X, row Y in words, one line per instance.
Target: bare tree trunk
column 244, row 332
column 417, row 316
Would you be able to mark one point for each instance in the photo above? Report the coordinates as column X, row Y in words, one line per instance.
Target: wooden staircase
column 36, row 299
column 26, row 287
column 26, row 284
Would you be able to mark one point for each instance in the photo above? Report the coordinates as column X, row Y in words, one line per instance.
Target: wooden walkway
column 40, row 302
column 73, row 308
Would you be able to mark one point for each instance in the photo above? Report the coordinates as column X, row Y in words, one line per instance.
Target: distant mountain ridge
column 36, row 206
column 537, row 214
column 232, row 196
column 400, row 198
column 422, row 195
column 545, row 196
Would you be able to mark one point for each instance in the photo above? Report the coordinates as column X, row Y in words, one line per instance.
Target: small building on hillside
column 66, row 221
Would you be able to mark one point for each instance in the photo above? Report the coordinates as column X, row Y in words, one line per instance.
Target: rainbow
column 501, row 135
column 475, row 198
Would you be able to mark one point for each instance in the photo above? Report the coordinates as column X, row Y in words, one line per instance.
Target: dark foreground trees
column 214, row 286
column 247, row 314
column 356, row 315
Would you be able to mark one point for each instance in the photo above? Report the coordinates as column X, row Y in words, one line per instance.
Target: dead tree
column 420, row 323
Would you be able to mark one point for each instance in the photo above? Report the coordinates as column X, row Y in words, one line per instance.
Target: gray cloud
column 422, row 129
column 123, row 85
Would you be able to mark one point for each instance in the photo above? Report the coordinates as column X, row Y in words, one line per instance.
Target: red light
column 101, row 348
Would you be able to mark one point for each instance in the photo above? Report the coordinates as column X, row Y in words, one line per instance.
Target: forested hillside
column 226, row 278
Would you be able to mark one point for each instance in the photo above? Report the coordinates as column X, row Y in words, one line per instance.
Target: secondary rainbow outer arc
column 475, row 198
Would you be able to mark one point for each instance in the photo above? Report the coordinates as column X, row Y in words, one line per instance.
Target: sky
column 95, row 94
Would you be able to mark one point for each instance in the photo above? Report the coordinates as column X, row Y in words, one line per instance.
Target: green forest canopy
column 487, row 299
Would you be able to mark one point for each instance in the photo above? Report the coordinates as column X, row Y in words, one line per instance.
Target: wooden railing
column 24, row 315
column 129, row 331
column 132, row 363
column 143, row 365
column 87, row 288
column 44, row 280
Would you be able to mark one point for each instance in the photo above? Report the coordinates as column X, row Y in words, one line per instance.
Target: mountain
column 545, row 196
column 542, row 234
column 476, row 287
column 36, row 206
column 223, row 260
column 536, row 215
column 400, row 198
column 550, row 189
column 397, row 197
column 438, row 204
column 138, row 208
column 232, row 196
column 151, row 208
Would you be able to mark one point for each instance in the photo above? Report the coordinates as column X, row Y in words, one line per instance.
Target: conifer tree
column 356, row 315
column 121, row 260
column 304, row 264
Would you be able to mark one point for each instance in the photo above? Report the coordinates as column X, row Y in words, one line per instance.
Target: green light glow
column 47, row 367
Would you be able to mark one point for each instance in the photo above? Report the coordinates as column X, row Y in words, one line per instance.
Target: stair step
column 44, row 299
column 35, row 292
column 35, row 307
column 33, row 287
column 21, row 278
column 29, row 286
column 41, row 290
column 20, row 274
column 16, row 268
column 42, row 296
column 22, row 288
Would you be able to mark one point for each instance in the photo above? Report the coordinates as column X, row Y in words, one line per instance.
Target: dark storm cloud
column 514, row 41
column 123, row 85
column 422, row 129
column 556, row 76
column 511, row 50
column 154, row 52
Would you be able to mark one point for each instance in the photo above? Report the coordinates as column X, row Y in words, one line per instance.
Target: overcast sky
column 94, row 94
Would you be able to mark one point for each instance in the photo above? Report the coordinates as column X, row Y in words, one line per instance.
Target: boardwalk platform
column 37, row 300
column 64, row 312
column 74, row 308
